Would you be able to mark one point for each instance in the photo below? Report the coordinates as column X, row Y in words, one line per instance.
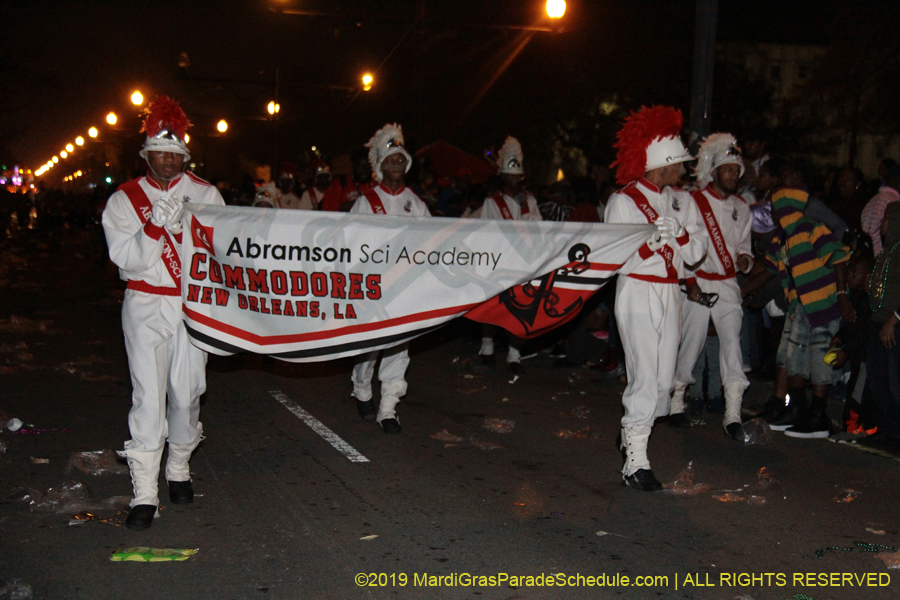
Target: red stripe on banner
column 320, row 335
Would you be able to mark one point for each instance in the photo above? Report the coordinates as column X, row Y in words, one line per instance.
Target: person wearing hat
column 726, row 218
column 142, row 222
column 648, row 295
column 320, row 171
column 390, row 162
column 286, row 198
column 512, row 203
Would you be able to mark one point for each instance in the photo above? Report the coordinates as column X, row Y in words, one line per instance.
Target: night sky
column 66, row 64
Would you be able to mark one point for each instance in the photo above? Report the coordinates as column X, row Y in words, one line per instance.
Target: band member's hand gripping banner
column 308, row 286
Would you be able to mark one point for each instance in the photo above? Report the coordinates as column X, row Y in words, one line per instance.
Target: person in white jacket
column 512, row 203
column 648, row 292
column 142, row 223
column 726, row 218
column 390, row 162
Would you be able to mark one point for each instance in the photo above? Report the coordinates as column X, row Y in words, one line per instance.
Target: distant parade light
column 367, row 81
column 79, row 141
column 93, row 132
column 111, row 118
column 273, row 107
column 70, row 148
column 556, row 8
column 109, row 180
column 137, row 98
column 187, row 139
column 222, row 126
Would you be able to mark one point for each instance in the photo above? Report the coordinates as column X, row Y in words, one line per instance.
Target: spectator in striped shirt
column 873, row 213
column 810, row 263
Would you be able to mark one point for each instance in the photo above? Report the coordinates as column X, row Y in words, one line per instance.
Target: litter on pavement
column 141, row 554
column 97, row 462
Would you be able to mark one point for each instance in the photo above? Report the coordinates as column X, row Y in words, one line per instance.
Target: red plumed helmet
column 649, row 139
column 166, row 125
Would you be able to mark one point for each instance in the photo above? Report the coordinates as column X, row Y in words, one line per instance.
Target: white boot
column 734, row 397
column 144, row 468
column 634, row 440
column 676, row 403
column 178, row 463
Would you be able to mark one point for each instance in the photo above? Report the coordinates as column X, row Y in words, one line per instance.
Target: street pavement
column 297, row 497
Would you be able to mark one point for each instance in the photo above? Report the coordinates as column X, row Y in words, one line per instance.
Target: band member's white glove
column 162, row 210
column 658, row 238
column 672, row 225
column 173, row 224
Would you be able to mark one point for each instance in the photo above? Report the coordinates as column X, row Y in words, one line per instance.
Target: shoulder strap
column 715, row 234
column 375, row 202
column 142, row 206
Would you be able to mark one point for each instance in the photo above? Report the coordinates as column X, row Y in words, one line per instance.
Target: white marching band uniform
column 732, row 220
column 648, row 307
column 395, row 360
column 492, row 208
column 161, row 359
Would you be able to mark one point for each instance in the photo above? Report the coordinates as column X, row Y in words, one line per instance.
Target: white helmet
column 386, row 141
column 166, row 126
column 716, row 150
column 510, row 157
column 666, row 151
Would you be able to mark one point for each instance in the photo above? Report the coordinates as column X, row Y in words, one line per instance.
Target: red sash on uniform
column 716, row 237
column 142, row 206
column 666, row 252
column 500, row 199
column 375, row 202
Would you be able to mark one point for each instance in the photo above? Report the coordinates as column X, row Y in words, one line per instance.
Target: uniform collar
column 650, row 186
column 388, row 191
column 713, row 193
column 153, row 183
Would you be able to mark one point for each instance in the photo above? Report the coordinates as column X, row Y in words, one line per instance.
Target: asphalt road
column 283, row 513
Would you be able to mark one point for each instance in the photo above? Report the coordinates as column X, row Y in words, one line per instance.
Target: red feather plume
column 638, row 131
column 165, row 113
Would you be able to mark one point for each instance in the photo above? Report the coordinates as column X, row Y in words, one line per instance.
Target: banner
column 307, row 286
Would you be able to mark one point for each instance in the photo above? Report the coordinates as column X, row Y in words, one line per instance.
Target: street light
column 222, row 126
column 55, row 159
column 93, row 132
column 79, row 141
column 137, row 98
column 187, row 138
column 111, row 118
column 273, row 107
column 556, row 8
column 367, row 81
column 63, row 154
column 70, row 148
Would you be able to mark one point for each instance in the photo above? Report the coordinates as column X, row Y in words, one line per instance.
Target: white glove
column 173, row 224
column 162, row 210
column 658, row 239
column 672, row 225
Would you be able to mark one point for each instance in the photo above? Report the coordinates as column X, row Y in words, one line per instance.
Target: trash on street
column 498, row 425
column 141, row 554
column 97, row 462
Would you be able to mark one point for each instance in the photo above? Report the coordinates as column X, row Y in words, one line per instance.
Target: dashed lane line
column 328, row 435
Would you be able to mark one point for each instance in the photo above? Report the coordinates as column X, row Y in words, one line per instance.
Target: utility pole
column 704, row 65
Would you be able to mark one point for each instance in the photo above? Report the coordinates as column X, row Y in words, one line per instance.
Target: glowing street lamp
column 70, row 148
column 93, row 132
column 55, row 159
column 222, row 126
column 79, row 141
column 273, row 107
column 367, row 81
column 137, row 98
column 556, row 8
column 111, row 118
column 64, row 154
column 187, row 138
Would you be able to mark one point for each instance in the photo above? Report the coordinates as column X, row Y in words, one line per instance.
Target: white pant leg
column 649, row 319
column 187, row 382
column 727, row 318
column 694, row 326
column 392, row 373
column 363, row 371
column 146, row 323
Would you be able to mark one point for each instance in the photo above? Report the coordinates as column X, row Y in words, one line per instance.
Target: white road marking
column 328, row 435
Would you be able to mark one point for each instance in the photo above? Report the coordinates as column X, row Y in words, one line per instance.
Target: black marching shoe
column 181, row 492
column 366, row 410
column 487, row 359
column 515, row 367
column 679, row 420
column 140, row 516
column 391, row 425
column 733, row 430
column 643, row 480
column 816, row 424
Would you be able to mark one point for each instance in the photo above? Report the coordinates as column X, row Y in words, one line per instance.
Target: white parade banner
column 306, row 286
